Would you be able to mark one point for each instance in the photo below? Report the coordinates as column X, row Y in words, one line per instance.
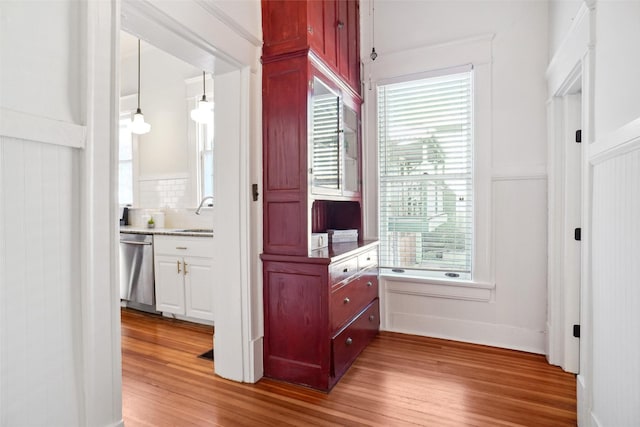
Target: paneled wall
column 616, row 290
column 40, row 286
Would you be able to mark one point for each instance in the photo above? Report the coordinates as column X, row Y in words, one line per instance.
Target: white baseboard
column 583, row 410
column 491, row 334
column 117, row 424
column 257, row 366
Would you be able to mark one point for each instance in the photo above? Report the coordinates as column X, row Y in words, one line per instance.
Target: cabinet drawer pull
column 349, row 341
column 372, row 318
column 347, row 300
column 369, row 284
column 178, row 265
column 369, row 258
column 184, row 265
column 181, row 248
column 346, row 269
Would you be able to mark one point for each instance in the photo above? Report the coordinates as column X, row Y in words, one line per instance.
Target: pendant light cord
column 138, row 75
column 204, row 90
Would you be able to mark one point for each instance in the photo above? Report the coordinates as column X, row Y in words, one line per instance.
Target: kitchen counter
column 193, row 232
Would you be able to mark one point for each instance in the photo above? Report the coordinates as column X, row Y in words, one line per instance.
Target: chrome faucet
column 202, row 203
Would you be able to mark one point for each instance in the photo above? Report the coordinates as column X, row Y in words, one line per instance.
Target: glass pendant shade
column 203, row 113
column 138, row 125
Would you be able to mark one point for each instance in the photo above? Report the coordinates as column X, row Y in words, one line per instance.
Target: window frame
column 475, row 50
column 434, row 273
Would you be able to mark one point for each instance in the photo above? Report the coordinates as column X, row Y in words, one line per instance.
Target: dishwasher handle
column 133, row 242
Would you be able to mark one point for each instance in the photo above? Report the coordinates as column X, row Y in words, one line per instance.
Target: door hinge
column 577, row 234
column 579, row 136
column 254, row 192
column 576, row 331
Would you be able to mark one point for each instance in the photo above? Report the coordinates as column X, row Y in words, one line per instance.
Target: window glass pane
column 125, row 150
column 426, row 169
column 207, row 176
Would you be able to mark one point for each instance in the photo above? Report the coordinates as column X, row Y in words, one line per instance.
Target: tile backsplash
column 165, row 192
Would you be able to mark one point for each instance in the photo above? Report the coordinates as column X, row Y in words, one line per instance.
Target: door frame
column 564, row 111
column 218, row 44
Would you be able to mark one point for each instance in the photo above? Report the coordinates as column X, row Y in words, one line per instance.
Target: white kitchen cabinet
column 184, row 276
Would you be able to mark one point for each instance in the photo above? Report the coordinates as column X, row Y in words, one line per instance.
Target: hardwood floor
column 399, row 380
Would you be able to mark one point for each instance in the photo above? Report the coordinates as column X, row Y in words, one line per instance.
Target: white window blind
column 426, row 173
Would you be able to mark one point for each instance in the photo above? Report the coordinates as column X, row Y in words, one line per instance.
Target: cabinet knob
column 340, row 25
column 372, row 318
column 345, row 270
column 347, row 300
column 349, row 341
column 369, row 284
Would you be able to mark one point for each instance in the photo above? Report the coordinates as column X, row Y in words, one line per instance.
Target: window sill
column 415, row 284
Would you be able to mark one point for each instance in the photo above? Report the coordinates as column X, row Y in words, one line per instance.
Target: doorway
column 179, row 30
column 565, row 224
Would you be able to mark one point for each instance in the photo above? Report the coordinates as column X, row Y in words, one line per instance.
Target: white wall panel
column 39, row 285
column 617, row 65
column 616, row 291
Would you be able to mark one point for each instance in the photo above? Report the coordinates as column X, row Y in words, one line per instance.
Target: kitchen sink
column 196, row 230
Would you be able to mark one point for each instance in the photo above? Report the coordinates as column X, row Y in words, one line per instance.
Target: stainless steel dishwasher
column 137, row 286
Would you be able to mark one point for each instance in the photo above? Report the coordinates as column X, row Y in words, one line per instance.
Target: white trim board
column 483, row 333
column 623, row 140
column 15, row 124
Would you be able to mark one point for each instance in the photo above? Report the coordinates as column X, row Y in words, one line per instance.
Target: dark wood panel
column 284, row 24
column 398, row 380
column 285, row 232
column 284, row 125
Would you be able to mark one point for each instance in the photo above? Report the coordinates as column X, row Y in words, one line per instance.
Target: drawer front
column 351, row 298
column 343, row 270
column 183, row 246
column 348, row 344
column 368, row 259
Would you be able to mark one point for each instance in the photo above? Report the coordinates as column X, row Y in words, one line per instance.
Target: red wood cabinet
column 293, row 206
column 330, row 28
column 320, row 306
column 318, row 322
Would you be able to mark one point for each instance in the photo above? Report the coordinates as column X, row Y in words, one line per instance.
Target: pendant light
column 138, row 126
column 203, row 113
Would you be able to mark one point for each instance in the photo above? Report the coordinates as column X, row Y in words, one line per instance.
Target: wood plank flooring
column 399, row 380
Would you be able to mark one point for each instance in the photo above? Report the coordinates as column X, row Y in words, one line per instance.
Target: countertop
column 166, row 231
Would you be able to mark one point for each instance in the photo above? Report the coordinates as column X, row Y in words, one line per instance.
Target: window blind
column 426, row 173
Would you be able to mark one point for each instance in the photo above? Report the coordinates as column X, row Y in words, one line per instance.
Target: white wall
column 164, row 151
column 59, row 326
column 507, row 43
column 608, row 386
column 561, row 18
column 617, row 65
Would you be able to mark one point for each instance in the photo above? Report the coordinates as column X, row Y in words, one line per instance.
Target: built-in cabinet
column 330, row 28
column 320, row 305
column 184, row 276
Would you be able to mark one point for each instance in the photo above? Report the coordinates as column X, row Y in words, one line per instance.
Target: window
column 201, row 138
column 204, row 141
column 425, row 138
column 125, row 161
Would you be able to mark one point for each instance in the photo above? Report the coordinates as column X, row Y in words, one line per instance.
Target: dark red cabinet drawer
column 351, row 298
column 348, row 344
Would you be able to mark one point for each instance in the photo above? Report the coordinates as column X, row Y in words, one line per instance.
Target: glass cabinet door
column 325, row 138
column 350, row 150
